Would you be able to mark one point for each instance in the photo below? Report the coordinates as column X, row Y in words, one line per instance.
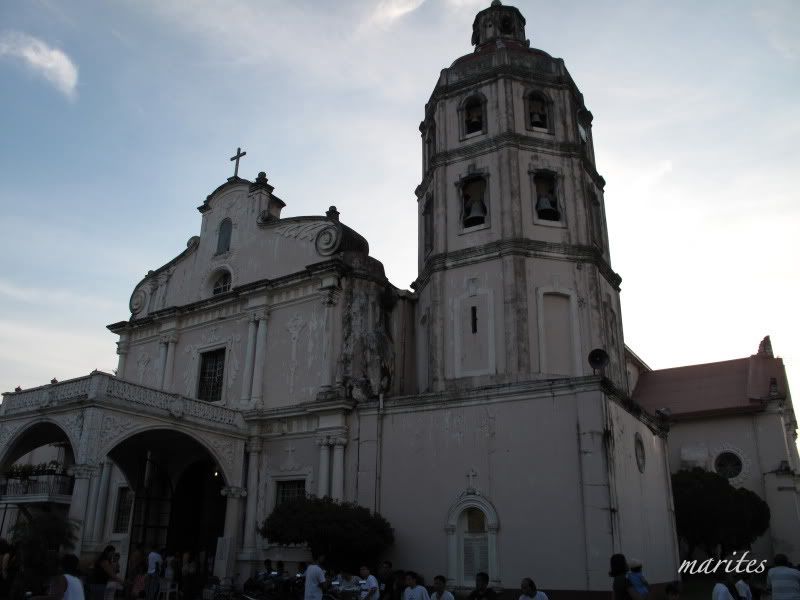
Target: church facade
column 272, row 357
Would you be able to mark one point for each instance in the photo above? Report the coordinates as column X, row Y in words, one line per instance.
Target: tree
column 39, row 540
column 711, row 513
column 347, row 534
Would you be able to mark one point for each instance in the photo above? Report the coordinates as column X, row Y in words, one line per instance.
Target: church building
column 489, row 413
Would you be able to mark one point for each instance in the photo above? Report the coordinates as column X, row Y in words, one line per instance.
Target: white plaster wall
column 645, row 514
column 427, row 454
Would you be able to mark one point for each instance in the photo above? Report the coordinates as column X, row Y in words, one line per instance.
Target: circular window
column 638, row 445
column 728, row 464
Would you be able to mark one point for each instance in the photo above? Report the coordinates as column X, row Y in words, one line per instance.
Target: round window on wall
column 638, row 445
column 728, row 464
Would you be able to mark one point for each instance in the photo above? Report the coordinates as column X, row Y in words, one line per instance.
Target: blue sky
column 117, row 119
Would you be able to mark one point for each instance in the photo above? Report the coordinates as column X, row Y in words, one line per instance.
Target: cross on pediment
column 239, row 154
column 472, row 474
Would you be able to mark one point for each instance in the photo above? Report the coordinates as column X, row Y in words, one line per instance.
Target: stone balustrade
column 102, row 385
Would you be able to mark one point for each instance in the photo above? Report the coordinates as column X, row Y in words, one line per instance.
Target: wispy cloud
column 780, row 22
column 390, row 10
column 50, row 63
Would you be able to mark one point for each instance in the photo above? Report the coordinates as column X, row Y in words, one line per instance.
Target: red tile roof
column 731, row 386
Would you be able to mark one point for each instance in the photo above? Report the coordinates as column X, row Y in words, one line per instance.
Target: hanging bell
column 538, row 119
column 546, row 209
column 476, row 212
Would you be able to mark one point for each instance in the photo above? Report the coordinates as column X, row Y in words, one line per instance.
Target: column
column 162, row 361
column 102, row 501
column 226, row 545
column 94, row 488
column 169, row 365
column 323, row 488
column 337, row 483
column 122, row 351
column 328, row 296
column 250, row 521
column 259, row 364
column 80, row 497
column 247, row 374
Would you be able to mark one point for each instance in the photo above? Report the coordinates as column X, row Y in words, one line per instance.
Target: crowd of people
column 782, row 582
column 148, row 571
column 393, row 584
column 102, row 579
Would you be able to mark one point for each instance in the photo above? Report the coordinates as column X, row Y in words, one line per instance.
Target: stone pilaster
column 323, row 481
column 337, row 480
column 259, row 364
column 250, row 521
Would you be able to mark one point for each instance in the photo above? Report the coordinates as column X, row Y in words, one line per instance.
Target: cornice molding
column 516, row 247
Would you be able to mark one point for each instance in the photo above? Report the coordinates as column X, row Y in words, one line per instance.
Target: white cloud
column 780, row 22
column 52, row 64
column 389, row 10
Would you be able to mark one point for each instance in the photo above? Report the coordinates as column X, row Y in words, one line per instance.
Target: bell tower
column 515, row 281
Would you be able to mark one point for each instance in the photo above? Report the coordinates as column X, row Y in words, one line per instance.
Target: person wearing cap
column 636, row 578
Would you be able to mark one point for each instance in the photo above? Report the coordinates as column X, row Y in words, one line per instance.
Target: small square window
column 290, row 490
column 212, row 368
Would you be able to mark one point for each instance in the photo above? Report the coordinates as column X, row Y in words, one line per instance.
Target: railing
column 98, row 385
column 38, row 485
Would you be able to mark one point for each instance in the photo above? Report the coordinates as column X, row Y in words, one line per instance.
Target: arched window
column 222, row 284
column 472, row 530
column 473, row 116
column 474, row 543
column 538, row 111
column 224, row 237
column 474, row 208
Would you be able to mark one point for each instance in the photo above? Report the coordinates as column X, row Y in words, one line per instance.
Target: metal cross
column 239, row 154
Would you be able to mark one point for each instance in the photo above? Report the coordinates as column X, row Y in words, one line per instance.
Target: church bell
column 476, row 212
column 545, row 208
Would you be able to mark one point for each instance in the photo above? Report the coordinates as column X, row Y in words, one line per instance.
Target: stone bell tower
column 515, row 281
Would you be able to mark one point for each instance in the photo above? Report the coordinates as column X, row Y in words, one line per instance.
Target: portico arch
column 33, row 434
column 222, row 452
column 456, row 529
column 180, row 488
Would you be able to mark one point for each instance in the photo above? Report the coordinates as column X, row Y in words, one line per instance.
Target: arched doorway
column 175, row 483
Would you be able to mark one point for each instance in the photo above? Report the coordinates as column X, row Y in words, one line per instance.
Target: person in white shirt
column 440, row 589
column 529, row 591
column 369, row 584
column 782, row 580
column 315, row 579
column 413, row 590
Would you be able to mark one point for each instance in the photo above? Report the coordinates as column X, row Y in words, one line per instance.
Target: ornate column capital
column 123, row 347
column 82, row 471
column 168, row 338
column 323, row 440
column 233, row 492
column 339, row 440
column 329, row 296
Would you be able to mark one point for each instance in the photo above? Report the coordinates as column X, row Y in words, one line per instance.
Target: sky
column 117, row 119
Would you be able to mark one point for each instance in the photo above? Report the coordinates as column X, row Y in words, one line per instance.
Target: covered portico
column 167, row 447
